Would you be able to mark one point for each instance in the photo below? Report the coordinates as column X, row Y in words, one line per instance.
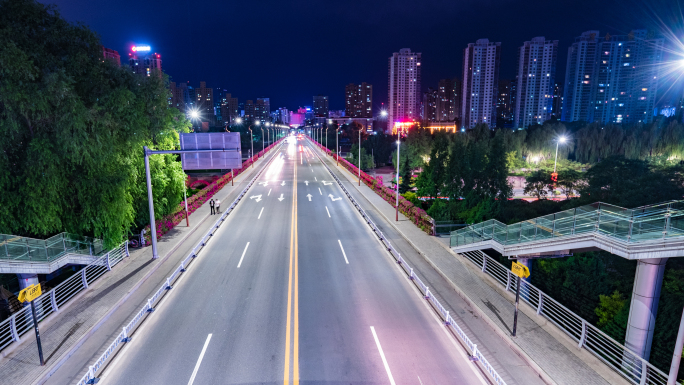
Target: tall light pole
column 263, row 147
column 326, row 138
column 359, row 157
column 398, row 150
column 251, row 135
column 337, row 147
column 562, row 139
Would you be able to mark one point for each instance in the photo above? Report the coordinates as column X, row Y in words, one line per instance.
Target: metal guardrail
column 123, row 337
column 475, row 354
column 660, row 221
column 21, row 322
column 627, row 363
column 24, row 249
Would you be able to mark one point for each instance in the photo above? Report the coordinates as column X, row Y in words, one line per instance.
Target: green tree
column 569, row 181
column 405, row 184
column 430, row 182
column 538, row 183
column 73, row 127
column 609, row 307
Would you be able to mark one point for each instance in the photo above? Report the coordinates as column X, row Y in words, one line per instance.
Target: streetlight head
column 194, row 114
column 562, row 139
column 383, row 113
column 238, row 121
column 257, row 123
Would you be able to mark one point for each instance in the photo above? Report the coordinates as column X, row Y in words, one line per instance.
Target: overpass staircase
column 654, row 231
column 22, row 255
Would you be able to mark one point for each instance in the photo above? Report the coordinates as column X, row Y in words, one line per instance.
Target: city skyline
column 191, row 55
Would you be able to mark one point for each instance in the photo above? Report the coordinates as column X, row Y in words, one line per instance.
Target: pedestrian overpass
column 27, row 257
column 649, row 234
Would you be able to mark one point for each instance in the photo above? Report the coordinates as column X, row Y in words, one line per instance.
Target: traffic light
column 554, row 176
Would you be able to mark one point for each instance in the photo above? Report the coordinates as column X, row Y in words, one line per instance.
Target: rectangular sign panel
column 30, row 293
column 226, row 153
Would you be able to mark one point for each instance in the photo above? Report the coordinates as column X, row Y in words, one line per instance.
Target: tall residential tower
column 535, row 75
column 404, row 87
column 480, row 83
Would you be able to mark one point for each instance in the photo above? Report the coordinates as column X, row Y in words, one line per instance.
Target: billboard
column 226, row 152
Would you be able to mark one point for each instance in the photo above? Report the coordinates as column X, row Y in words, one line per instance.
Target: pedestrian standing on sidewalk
column 217, row 203
column 211, row 204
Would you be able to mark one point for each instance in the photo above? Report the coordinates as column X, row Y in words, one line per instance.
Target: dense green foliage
column 73, row 128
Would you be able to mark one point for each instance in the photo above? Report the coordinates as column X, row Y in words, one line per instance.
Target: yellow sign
column 30, row 293
column 520, row 270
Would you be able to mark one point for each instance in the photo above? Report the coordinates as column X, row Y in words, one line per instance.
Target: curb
column 528, row 360
column 66, row 355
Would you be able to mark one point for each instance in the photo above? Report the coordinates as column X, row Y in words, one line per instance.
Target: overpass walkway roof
column 654, row 231
column 22, row 255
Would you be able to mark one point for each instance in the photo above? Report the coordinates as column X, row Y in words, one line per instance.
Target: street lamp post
column 562, row 139
column 337, row 147
column 359, row 157
column 263, row 147
column 398, row 150
column 326, row 138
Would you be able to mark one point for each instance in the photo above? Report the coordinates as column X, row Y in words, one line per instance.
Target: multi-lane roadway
column 293, row 288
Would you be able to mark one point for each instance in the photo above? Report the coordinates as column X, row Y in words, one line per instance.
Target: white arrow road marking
column 333, row 199
column 326, row 183
column 382, row 355
column 283, row 184
column 307, row 182
column 243, row 255
column 260, row 212
column 199, row 360
column 258, row 197
column 309, row 196
column 264, row 183
column 343, row 253
column 281, row 198
column 319, row 191
column 328, row 211
column 269, row 192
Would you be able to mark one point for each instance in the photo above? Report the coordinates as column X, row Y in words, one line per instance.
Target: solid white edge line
column 382, row 355
column 199, row 360
column 326, row 209
column 260, row 212
column 243, row 255
column 343, row 253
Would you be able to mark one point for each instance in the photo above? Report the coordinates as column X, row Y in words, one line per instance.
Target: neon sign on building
column 141, row 48
column 402, row 127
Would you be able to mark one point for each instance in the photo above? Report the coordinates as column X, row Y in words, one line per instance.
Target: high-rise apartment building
column 204, row 103
column 616, row 81
column 579, row 76
column 110, row 54
column 480, row 83
column 320, row 106
column 535, row 77
column 429, row 106
column 404, row 87
column 358, row 100
column 448, row 100
column 249, row 110
column 229, row 109
column 504, row 104
column 262, row 109
column 143, row 62
column 557, row 100
column 180, row 96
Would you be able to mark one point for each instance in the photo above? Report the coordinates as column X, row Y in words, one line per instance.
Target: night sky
column 292, row 50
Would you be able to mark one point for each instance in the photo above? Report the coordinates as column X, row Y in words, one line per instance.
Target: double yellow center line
column 294, row 252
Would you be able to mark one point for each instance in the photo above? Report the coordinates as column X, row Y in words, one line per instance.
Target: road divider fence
column 587, row 336
column 475, row 354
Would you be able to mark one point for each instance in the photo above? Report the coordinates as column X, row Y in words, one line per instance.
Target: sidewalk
column 73, row 338
column 544, row 347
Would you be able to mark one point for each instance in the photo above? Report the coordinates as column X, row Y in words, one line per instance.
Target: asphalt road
column 293, row 288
